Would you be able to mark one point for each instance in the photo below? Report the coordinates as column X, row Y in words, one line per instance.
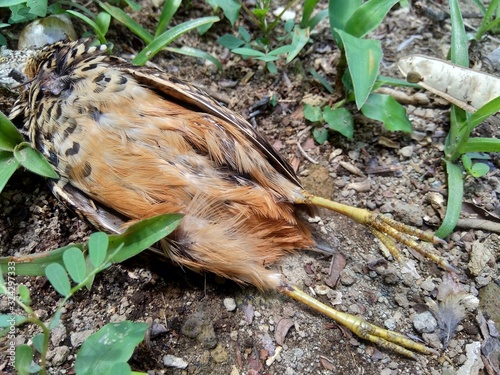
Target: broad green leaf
column 38, row 342
column 230, row 41
column 22, row 362
column 142, row 235
column 33, row 160
column 112, row 344
column 8, row 165
column 244, row 34
column 103, row 20
column 74, row 261
column 231, row 8
column 340, row 120
column 320, row 135
column 455, row 197
column 271, row 67
column 8, row 320
column 9, row 135
column 386, row 109
column 168, row 11
column 58, row 278
column 98, row 246
column 340, row 11
column 479, row 169
column 37, row 7
column 299, row 40
column 157, row 44
column 313, row 113
column 9, row 3
column 368, row 17
column 363, row 58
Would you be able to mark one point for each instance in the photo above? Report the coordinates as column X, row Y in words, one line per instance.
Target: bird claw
column 390, row 340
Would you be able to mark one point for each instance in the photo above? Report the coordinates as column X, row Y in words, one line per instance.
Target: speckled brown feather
column 144, row 143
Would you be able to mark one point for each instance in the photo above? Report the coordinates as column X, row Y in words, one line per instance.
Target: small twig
column 302, row 151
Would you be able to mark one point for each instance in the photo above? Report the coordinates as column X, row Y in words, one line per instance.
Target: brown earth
column 187, row 311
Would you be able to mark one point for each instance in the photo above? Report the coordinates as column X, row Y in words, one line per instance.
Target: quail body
column 129, row 143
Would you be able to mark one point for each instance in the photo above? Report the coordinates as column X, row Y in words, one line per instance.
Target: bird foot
column 389, row 340
column 387, row 230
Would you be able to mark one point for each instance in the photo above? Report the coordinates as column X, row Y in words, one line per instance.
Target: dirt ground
column 217, row 327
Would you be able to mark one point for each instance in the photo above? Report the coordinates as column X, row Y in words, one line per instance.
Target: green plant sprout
column 459, row 145
column 163, row 37
column 108, row 350
column 266, row 48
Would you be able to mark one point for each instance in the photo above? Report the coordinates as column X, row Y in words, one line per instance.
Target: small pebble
column 425, row 322
column 172, row 361
column 230, row 304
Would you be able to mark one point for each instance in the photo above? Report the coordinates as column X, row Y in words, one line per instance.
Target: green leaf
column 103, row 20
column 459, row 45
column 37, row 7
column 7, row 320
column 307, row 11
column 299, row 40
column 33, row 160
column 479, row 169
column 9, row 135
column 22, row 362
column 230, row 41
column 95, row 27
column 98, row 246
column 363, row 58
column 386, row 109
column 55, row 319
column 320, row 135
column 128, row 21
column 38, row 342
column 195, row 52
column 112, row 344
column 74, row 262
column 481, row 145
column 487, row 110
column 8, row 165
column 313, row 113
column 157, row 44
column 168, row 11
column 231, row 8
column 10, row 3
column 24, row 294
column 244, row 34
column 58, row 278
column 340, row 120
column 143, row 234
column 271, row 67
column 340, row 11
column 248, row 52
column 34, row 264
column 455, row 197
column 368, row 17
